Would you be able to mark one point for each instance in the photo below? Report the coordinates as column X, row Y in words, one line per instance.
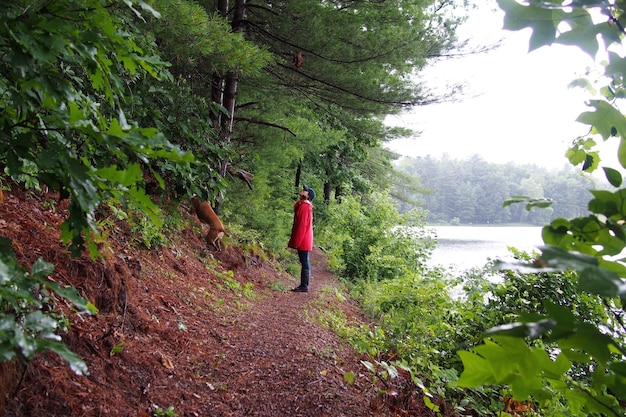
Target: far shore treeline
column 472, row 191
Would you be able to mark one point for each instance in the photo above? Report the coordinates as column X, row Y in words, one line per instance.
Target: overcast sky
column 517, row 107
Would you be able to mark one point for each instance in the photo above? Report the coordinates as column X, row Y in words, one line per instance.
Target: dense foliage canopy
column 120, row 105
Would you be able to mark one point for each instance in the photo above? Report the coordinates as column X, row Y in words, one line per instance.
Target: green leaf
column 127, row 177
column 476, row 370
column 616, row 65
column 71, row 294
column 555, row 369
column 531, row 202
column 604, row 119
column 613, row 176
column 519, row 329
column 116, row 128
column 596, row 280
column 583, row 33
column 590, row 162
column 621, row 152
column 499, row 355
column 370, row 366
column 118, row 348
column 391, row 370
column 76, row 363
column 562, row 259
column 41, row 268
column 541, row 21
column 589, row 339
column 430, row 404
column 510, row 361
column 146, row 205
column 581, row 152
column 349, row 377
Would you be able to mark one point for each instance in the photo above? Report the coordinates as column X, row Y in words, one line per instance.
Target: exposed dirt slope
column 189, row 334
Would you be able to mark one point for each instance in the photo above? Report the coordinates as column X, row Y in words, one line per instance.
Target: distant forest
column 472, row 191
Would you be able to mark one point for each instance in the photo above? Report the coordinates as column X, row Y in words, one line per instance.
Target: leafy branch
column 535, row 356
column 24, row 296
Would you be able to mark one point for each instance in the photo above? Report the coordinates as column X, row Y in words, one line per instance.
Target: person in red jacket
column 302, row 235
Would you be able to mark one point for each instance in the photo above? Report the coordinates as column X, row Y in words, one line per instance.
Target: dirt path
column 286, row 365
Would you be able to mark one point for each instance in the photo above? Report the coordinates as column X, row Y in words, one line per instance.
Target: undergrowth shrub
column 151, row 234
column 420, row 321
column 518, row 297
column 426, row 316
column 30, row 322
column 148, row 233
column 367, row 239
column 513, row 294
column 261, row 216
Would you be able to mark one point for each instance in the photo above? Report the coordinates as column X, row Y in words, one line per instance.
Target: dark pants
column 305, row 273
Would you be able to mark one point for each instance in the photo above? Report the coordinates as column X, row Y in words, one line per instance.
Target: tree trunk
column 327, row 188
column 231, row 81
column 222, row 7
column 224, row 89
column 338, row 194
column 226, row 127
column 217, row 96
column 298, row 175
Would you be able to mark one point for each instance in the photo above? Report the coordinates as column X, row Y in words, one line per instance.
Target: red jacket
column 302, row 230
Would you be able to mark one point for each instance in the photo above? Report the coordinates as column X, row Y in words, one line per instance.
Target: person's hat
column 310, row 191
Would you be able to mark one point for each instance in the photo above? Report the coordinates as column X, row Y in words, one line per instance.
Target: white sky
column 518, row 107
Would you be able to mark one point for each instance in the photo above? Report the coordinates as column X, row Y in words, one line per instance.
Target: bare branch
column 262, row 123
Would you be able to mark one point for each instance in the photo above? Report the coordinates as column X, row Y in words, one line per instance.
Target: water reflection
column 465, row 247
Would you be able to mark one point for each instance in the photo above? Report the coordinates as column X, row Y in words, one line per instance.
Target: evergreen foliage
column 474, row 190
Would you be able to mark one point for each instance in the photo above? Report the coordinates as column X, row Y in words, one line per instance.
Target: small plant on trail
column 293, row 268
column 277, row 286
column 117, row 349
column 169, row 412
column 50, row 205
column 246, row 290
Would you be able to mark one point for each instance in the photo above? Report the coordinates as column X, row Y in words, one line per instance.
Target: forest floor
column 187, row 329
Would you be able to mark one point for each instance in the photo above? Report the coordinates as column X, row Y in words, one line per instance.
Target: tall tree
column 225, row 86
column 348, row 63
column 204, row 52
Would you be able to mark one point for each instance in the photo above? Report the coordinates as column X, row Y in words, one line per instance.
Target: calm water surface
column 464, row 247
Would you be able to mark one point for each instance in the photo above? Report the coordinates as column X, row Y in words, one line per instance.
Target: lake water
column 464, row 247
